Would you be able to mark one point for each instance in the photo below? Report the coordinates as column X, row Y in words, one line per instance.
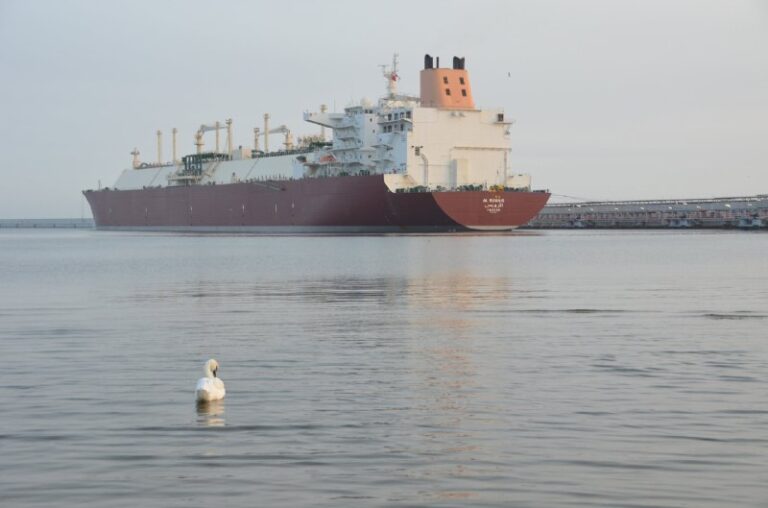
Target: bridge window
column 463, row 93
column 445, row 79
column 461, row 80
column 447, row 91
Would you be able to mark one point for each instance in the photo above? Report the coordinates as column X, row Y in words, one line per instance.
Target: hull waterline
column 349, row 204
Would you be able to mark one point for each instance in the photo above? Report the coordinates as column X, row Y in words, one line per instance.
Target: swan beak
column 214, row 372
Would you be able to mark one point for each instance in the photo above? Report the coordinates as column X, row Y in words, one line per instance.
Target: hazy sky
column 612, row 99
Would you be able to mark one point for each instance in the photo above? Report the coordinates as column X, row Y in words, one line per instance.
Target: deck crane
column 216, row 126
column 283, row 129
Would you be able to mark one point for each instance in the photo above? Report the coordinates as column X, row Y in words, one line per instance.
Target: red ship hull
column 339, row 204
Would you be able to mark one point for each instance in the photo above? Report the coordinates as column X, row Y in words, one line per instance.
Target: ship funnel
column 446, row 88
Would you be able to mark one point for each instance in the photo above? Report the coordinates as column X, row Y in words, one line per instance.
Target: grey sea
column 571, row 368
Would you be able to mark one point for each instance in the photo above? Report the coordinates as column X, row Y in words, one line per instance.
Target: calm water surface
column 534, row 369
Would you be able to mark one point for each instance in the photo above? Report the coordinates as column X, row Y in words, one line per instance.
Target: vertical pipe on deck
column 159, row 147
column 266, row 132
column 218, row 126
column 229, row 137
column 323, row 109
column 173, row 137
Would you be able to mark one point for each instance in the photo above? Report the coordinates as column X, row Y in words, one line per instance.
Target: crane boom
column 213, row 127
column 283, row 129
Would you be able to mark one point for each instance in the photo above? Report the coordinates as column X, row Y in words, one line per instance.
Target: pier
column 746, row 212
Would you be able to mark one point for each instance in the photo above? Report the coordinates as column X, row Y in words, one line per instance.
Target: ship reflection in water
column 445, row 393
column 445, row 390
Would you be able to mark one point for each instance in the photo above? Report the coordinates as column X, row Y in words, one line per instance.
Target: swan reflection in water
column 210, row 414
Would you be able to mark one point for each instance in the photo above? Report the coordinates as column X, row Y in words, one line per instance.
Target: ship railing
column 293, row 151
column 463, row 188
column 148, row 165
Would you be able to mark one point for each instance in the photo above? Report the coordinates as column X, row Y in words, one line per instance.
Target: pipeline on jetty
column 746, row 212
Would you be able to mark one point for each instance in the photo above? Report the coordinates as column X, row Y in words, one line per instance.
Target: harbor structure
column 745, row 212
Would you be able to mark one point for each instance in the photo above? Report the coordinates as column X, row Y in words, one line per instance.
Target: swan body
column 210, row 387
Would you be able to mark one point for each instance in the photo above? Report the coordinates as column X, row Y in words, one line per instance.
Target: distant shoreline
column 46, row 224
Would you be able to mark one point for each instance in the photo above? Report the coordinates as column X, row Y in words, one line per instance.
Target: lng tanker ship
column 428, row 163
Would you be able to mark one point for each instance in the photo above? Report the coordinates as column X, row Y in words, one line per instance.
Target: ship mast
column 390, row 74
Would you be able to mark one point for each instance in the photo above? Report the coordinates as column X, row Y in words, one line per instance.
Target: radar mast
column 390, row 74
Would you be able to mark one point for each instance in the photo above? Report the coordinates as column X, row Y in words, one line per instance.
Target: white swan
column 210, row 387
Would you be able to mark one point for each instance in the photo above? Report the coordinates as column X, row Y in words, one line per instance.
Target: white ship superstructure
column 436, row 141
